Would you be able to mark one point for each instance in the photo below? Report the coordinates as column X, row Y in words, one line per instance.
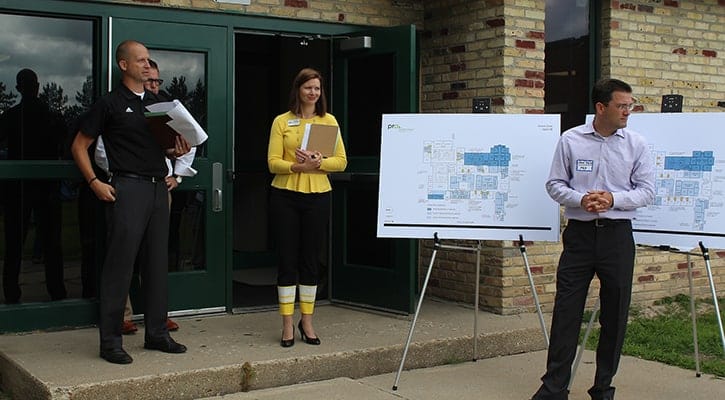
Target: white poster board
column 689, row 154
column 467, row 176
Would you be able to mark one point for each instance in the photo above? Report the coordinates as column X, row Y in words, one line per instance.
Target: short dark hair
column 295, row 105
column 153, row 64
column 603, row 89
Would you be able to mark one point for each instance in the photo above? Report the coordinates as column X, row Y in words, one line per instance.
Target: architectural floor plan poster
column 467, row 176
column 689, row 154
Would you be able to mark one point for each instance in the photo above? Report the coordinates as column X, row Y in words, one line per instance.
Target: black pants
column 299, row 221
column 137, row 225
column 608, row 252
column 42, row 199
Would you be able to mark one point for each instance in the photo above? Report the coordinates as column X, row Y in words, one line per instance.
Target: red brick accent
column 450, row 95
column 678, row 275
column 525, row 44
column 721, row 3
column 614, row 24
column 340, row 17
column 535, row 35
column 524, row 83
column 296, row 3
column 682, row 265
column 533, row 111
column 681, row 51
column 458, row 49
column 458, row 67
column 535, row 75
column 524, row 301
column 671, row 3
column 495, row 23
column 656, row 268
column 628, row 6
column 646, row 278
column 497, row 101
column 721, row 254
column 709, row 53
column 537, row 269
column 644, row 8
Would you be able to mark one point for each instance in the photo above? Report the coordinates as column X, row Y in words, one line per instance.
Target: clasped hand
column 597, row 201
column 309, row 160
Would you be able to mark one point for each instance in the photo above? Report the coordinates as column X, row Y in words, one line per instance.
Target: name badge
column 293, row 122
column 585, row 165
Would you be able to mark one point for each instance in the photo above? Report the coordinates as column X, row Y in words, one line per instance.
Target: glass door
column 193, row 67
column 369, row 81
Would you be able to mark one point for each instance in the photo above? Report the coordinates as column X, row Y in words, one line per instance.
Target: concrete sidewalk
column 513, row 377
column 358, row 358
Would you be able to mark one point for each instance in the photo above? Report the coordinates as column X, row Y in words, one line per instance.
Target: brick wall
column 359, row 12
column 484, row 48
column 667, row 46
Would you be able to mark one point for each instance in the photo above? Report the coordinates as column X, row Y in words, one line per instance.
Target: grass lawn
column 663, row 333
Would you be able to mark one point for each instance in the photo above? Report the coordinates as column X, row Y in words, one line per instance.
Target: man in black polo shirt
column 137, row 209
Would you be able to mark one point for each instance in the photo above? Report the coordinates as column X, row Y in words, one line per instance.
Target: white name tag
column 585, row 165
column 293, row 122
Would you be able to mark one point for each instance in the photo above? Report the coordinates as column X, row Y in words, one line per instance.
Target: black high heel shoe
column 305, row 338
column 288, row 342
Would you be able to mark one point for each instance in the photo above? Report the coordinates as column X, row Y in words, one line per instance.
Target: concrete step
column 236, row 353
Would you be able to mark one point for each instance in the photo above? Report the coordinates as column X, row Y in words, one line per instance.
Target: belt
column 601, row 222
column 146, row 178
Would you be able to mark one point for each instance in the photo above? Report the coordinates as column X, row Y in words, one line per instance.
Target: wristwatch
column 178, row 179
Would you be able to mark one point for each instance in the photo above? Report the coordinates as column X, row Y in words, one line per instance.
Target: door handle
column 217, row 175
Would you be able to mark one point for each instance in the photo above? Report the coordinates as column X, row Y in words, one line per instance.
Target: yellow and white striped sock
column 307, row 299
column 286, row 297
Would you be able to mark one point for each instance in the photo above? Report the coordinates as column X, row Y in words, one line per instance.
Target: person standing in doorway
column 300, row 201
column 601, row 173
column 177, row 169
column 137, row 208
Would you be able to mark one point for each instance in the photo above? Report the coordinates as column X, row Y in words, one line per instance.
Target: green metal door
column 193, row 64
column 370, row 80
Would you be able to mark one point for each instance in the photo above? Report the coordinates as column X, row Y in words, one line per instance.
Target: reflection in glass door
column 46, row 82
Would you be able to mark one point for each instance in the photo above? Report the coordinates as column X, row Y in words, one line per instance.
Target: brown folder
column 322, row 138
column 164, row 134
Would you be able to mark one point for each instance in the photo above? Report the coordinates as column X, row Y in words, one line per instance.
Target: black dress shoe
column 116, row 356
column 288, row 342
column 167, row 345
column 305, row 338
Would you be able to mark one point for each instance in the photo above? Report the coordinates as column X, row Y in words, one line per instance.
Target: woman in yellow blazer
column 300, row 200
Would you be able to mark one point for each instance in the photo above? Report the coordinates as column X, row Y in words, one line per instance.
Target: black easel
column 436, row 246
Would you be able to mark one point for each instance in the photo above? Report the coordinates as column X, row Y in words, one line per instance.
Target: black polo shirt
column 130, row 146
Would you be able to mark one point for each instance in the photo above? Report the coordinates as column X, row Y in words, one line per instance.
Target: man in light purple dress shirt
column 601, row 173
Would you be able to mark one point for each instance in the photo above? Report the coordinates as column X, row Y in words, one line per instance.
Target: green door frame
column 389, row 287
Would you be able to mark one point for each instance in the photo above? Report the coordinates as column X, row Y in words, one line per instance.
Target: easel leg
column 415, row 317
column 693, row 314
column 706, row 256
column 475, row 302
column 583, row 345
column 522, row 248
